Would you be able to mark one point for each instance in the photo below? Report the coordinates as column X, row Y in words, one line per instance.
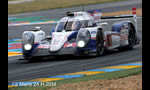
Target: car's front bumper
column 64, row 51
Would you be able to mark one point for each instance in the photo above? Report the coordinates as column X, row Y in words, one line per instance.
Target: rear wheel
column 131, row 39
column 100, row 43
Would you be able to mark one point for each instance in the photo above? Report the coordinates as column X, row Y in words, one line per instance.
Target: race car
column 82, row 33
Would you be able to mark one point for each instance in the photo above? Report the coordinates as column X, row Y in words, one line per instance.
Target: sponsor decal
column 93, row 37
column 93, row 32
column 70, row 45
column 43, row 46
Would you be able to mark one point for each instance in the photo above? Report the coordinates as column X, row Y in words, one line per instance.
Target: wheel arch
column 118, row 25
column 132, row 25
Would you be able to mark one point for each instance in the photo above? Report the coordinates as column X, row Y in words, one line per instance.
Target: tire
column 131, row 39
column 99, row 43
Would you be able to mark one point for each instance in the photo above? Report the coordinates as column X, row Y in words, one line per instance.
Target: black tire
column 100, row 42
column 131, row 37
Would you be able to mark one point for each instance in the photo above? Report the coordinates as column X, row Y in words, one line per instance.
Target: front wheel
column 100, row 43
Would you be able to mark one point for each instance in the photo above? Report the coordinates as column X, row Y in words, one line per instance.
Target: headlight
column 27, row 46
column 81, row 43
column 83, row 38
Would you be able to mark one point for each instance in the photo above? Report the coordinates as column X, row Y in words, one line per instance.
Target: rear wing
column 97, row 16
column 123, row 16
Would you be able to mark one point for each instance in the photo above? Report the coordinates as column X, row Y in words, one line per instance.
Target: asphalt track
column 24, row 70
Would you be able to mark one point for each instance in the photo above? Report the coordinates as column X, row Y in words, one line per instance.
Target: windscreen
column 73, row 25
column 60, row 26
column 69, row 25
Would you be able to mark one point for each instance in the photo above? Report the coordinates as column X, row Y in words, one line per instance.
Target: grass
column 108, row 75
column 38, row 5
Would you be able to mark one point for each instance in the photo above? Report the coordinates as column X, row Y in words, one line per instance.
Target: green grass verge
column 38, row 5
column 108, row 75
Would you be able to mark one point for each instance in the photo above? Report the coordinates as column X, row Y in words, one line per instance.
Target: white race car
column 82, row 33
